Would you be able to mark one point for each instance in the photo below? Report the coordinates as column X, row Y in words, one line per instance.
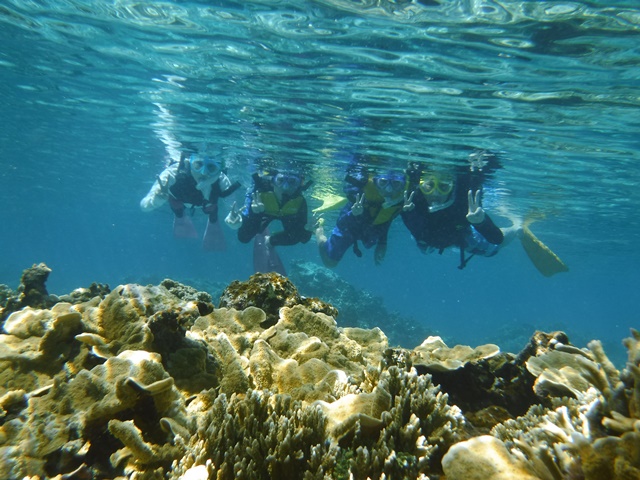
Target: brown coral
column 270, row 292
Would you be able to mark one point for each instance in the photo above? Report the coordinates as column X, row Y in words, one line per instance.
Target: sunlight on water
column 551, row 85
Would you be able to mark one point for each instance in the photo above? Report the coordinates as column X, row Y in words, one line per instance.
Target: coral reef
column 488, row 385
column 80, row 295
column 591, row 429
column 156, row 382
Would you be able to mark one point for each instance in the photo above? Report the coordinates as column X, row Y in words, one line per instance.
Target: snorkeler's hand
column 408, row 204
column 164, row 186
column 256, row 204
column 380, row 252
column 476, row 212
column 318, row 231
column 210, row 208
column 358, row 206
column 233, row 219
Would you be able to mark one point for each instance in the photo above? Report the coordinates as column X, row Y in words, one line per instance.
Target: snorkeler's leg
column 265, row 256
column 252, row 224
column 183, row 227
column 512, row 232
column 477, row 244
column 182, row 224
column 213, row 239
column 293, row 232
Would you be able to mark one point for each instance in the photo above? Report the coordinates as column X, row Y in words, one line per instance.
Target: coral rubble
column 156, row 382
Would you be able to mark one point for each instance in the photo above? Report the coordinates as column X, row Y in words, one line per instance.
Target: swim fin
column 183, row 227
column 265, row 257
column 547, row 262
column 330, row 202
column 213, row 240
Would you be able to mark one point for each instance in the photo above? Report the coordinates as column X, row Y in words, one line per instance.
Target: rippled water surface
column 95, row 95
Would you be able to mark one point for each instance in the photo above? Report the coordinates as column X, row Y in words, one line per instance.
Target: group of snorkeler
column 441, row 208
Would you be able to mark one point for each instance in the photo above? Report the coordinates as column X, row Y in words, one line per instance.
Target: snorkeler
column 196, row 180
column 443, row 208
column 373, row 202
column 274, row 196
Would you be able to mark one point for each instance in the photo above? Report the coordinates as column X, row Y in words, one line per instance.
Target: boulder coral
column 484, row 458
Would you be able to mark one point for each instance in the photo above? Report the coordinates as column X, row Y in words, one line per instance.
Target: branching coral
column 419, row 428
column 241, row 434
column 260, row 435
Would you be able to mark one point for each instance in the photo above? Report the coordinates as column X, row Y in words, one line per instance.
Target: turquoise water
column 93, row 94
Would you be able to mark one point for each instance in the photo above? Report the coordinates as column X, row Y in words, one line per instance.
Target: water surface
column 94, row 96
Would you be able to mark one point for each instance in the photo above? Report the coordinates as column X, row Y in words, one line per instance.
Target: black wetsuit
column 449, row 226
column 185, row 191
column 291, row 211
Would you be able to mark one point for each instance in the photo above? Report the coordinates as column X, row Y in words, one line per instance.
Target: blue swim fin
column 213, row 240
column 183, row 227
column 265, row 257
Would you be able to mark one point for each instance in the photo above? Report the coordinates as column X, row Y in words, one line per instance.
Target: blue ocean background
column 93, row 93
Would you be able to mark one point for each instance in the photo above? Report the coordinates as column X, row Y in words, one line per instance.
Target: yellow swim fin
column 330, row 201
column 547, row 262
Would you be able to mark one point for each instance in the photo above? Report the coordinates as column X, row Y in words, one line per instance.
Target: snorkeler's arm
column 358, row 207
column 159, row 192
column 489, row 230
column 226, row 187
column 481, row 221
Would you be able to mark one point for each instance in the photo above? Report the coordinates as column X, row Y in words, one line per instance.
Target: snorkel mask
column 287, row 182
column 204, row 166
column 438, row 188
column 390, row 185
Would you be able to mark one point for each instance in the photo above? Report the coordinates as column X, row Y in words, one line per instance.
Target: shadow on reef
column 156, row 382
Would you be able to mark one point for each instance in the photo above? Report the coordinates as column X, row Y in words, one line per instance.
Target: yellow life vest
column 272, row 206
column 375, row 201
